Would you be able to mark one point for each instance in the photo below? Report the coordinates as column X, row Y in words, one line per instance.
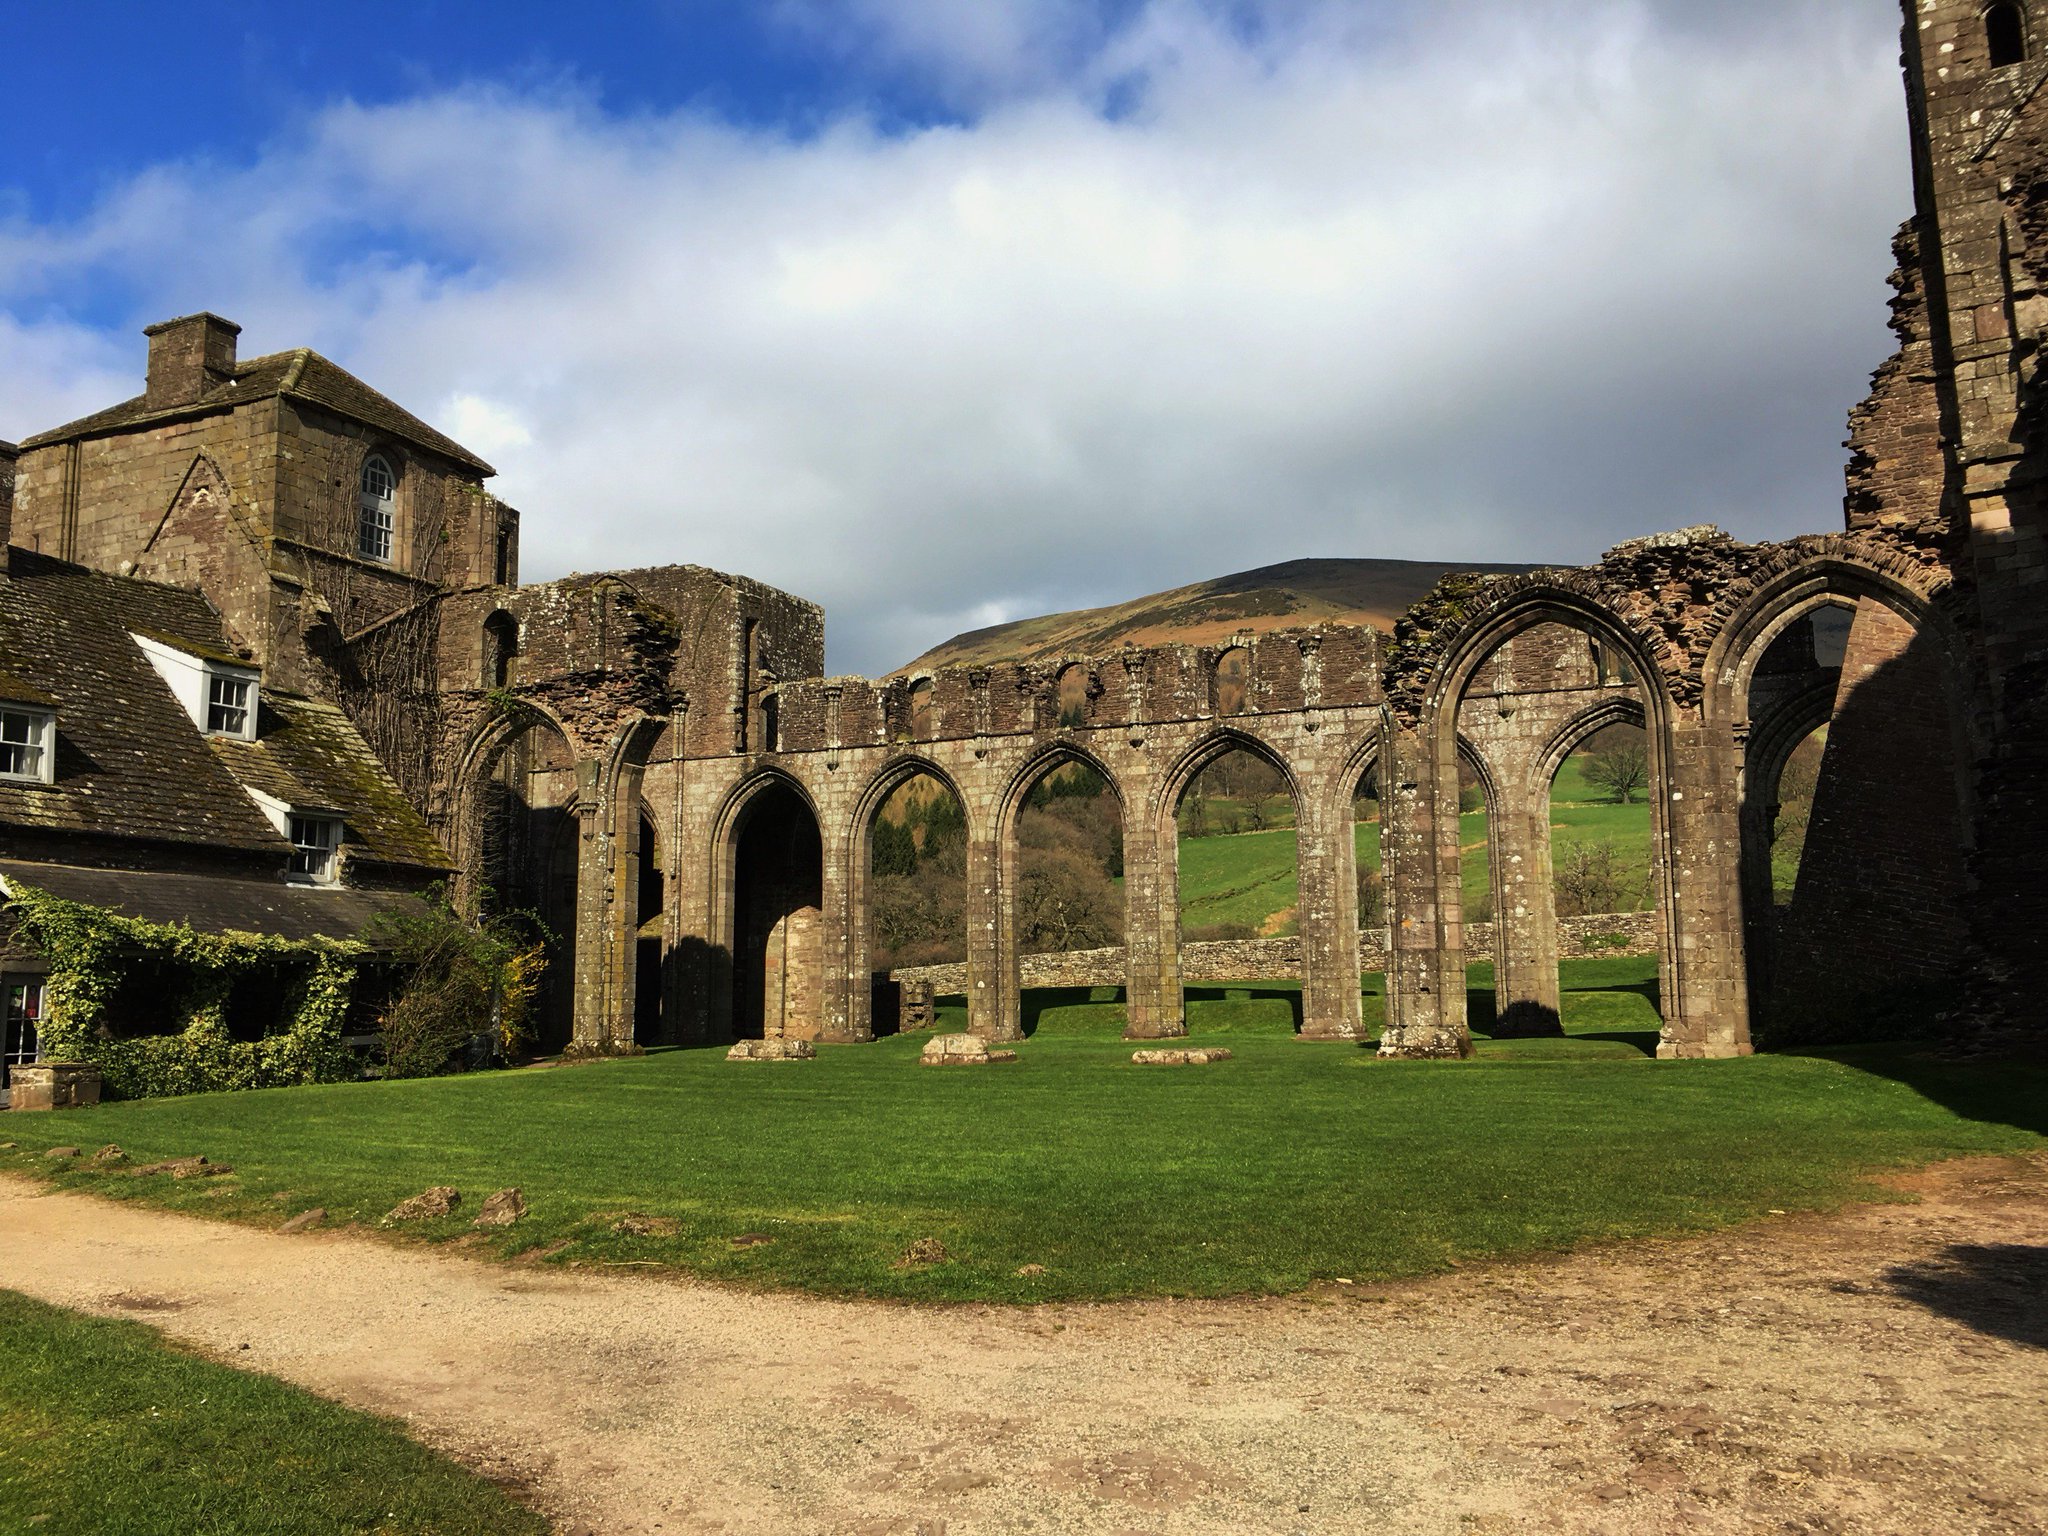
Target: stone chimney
column 9, row 454
column 189, row 356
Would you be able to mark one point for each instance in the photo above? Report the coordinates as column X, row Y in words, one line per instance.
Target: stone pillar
column 994, row 990
column 845, row 1012
column 1328, row 912
column 1705, row 993
column 1154, row 1008
column 1524, row 908
column 1419, row 865
column 607, row 884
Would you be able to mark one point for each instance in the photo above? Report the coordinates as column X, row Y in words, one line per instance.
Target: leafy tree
column 895, row 848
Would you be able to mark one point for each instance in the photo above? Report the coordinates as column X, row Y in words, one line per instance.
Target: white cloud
column 1487, row 284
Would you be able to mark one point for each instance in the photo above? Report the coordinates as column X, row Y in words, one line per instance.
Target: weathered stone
column 305, row 1220
column 1180, row 1058
column 61, row 1152
column 638, row 1224
column 184, row 1168
column 428, row 1203
column 772, row 1050
column 110, row 1154
column 53, row 1085
column 961, row 1051
column 500, row 1209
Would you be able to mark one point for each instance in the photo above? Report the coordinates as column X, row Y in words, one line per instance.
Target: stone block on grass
column 961, row 1051
column 773, row 1050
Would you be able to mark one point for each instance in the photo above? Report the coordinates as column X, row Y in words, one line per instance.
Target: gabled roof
column 298, row 375
column 309, row 754
column 130, row 762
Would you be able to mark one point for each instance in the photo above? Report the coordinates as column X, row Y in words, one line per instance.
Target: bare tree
column 1622, row 770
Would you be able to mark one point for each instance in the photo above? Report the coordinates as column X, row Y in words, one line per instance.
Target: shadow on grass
column 2013, row 1093
column 1644, row 1040
column 1290, row 995
column 1036, row 1002
column 1995, row 1289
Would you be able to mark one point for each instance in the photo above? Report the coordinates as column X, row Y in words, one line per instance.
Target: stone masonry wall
column 1609, row 934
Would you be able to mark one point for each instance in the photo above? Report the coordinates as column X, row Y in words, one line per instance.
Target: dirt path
column 1879, row 1371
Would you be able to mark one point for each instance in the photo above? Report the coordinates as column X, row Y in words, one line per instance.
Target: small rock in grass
column 638, row 1224
column 110, row 1154
column 184, row 1168
column 301, row 1222
column 438, row 1201
column 62, row 1152
column 773, row 1050
column 8, row 1146
column 501, row 1209
column 926, row 1250
column 752, row 1240
column 1180, row 1058
column 1029, row 1271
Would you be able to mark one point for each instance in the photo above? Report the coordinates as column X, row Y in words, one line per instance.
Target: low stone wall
column 1609, row 933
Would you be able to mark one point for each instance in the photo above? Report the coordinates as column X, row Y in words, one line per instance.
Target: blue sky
column 1047, row 302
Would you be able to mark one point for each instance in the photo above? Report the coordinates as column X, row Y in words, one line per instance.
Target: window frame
column 377, row 511
column 38, row 748
column 21, row 1042
column 313, row 862
column 218, row 678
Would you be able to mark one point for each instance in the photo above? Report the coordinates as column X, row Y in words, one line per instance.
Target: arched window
column 2005, row 31
column 376, row 509
column 501, row 649
column 1233, row 680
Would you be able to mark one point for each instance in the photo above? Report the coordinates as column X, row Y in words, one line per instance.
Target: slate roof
column 298, row 375
column 212, row 904
column 130, row 762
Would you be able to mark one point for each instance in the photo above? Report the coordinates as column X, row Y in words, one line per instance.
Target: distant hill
column 1286, row 596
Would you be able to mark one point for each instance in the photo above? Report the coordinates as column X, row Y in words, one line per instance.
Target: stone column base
column 1425, row 1045
column 1171, row 1029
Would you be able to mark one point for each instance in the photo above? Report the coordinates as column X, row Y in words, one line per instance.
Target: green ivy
column 91, row 953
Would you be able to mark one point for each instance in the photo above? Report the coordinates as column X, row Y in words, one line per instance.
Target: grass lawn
column 105, row 1428
column 1294, row 1162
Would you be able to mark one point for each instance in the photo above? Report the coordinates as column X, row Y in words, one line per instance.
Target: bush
column 464, row 978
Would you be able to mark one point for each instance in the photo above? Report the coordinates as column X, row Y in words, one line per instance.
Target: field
column 105, row 1428
column 1248, row 878
column 1294, row 1162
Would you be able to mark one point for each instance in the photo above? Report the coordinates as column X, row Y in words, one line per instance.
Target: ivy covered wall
column 110, row 974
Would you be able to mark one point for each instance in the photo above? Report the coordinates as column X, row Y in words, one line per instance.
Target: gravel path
column 1882, row 1370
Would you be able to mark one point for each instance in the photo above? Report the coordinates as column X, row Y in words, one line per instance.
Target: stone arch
column 522, row 849
column 1004, row 960
column 1325, row 876
column 1513, row 607
column 1588, row 722
column 856, row 850
column 475, row 763
column 1875, row 925
column 768, row 908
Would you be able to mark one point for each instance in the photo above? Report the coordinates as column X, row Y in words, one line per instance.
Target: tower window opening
column 2005, row 30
